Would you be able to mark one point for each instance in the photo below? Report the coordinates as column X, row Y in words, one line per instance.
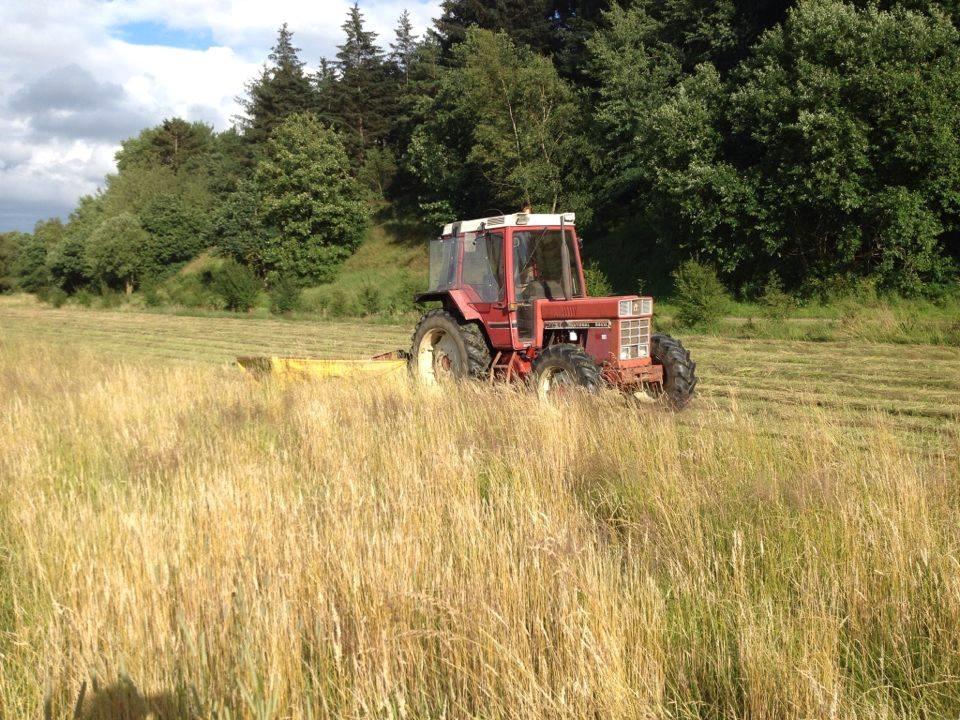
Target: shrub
column 151, row 294
column 55, row 296
column 700, row 297
column 110, row 299
column 598, row 284
column 284, row 296
column 775, row 302
column 83, row 298
column 338, row 304
column 236, row 285
column 370, row 300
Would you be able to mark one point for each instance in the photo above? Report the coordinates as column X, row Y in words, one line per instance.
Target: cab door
column 522, row 298
column 484, row 278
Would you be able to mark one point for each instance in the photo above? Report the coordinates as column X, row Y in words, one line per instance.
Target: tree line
column 816, row 142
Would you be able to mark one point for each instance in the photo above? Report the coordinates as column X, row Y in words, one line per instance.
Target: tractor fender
column 453, row 301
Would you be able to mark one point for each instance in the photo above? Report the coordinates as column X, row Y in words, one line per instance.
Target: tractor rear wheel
column 565, row 367
column 679, row 370
column 445, row 348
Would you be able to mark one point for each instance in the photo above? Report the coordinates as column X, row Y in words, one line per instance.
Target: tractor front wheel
column 445, row 348
column 565, row 367
column 679, row 370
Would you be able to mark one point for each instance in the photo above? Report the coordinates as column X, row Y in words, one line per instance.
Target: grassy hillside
column 381, row 277
column 177, row 539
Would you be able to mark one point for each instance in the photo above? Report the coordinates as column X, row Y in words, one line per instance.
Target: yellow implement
column 392, row 363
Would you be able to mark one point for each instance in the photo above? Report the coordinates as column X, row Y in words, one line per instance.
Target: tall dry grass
column 206, row 546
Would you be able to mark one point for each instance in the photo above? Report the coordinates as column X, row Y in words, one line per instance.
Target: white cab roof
column 515, row 220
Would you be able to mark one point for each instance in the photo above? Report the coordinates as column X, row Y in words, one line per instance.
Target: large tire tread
column 679, row 369
column 479, row 357
column 572, row 358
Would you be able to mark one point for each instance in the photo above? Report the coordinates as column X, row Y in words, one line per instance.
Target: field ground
column 918, row 385
column 177, row 539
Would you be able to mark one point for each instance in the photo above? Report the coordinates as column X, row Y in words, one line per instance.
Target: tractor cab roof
column 515, row 220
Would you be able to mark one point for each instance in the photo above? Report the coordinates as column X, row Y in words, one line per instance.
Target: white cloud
column 70, row 90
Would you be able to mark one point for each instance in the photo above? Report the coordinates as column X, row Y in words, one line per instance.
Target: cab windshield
column 540, row 260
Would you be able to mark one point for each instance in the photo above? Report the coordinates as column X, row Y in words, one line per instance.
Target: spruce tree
column 403, row 50
column 325, row 92
column 365, row 91
column 281, row 89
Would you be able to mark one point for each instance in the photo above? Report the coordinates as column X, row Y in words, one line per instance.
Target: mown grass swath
column 247, row 549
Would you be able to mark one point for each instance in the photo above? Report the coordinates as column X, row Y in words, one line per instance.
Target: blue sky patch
column 155, row 33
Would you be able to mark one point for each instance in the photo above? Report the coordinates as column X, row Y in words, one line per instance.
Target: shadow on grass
column 122, row 700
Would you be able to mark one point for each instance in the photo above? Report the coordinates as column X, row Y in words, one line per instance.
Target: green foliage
column 338, row 304
column 700, row 298
column 558, row 28
column 236, row 284
column 117, row 253
column 28, row 263
column 504, row 115
column 178, row 230
column 378, row 170
column 282, row 89
column 370, row 299
column 775, row 302
column 598, row 285
column 9, row 242
column 175, row 143
column 815, row 140
column 311, row 207
column 285, row 296
column 363, row 96
column 54, row 296
column 237, row 228
column 83, row 298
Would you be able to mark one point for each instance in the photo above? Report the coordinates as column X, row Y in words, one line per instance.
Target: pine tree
column 325, row 92
column 365, row 92
column 525, row 21
column 281, row 89
column 177, row 141
column 403, row 50
column 559, row 28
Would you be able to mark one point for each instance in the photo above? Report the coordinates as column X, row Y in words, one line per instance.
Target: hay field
column 177, row 540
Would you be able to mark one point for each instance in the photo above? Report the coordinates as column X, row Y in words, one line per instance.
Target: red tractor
column 515, row 307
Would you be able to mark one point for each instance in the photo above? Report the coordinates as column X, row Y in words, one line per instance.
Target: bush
column 151, row 295
column 83, row 298
column 775, row 302
column 55, row 296
column 110, row 299
column 370, row 300
column 191, row 291
column 700, row 297
column 598, row 284
column 338, row 304
column 236, row 285
column 284, row 296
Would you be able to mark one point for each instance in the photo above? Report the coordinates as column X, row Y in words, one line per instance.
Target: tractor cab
column 515, row 304
column 497, row 268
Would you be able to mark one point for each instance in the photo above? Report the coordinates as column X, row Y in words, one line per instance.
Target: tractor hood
column 601, row 308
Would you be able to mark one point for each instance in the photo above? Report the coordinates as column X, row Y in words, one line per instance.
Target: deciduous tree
column 311, row 206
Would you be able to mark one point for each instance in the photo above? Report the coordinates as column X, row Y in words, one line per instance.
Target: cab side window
column 482, row 271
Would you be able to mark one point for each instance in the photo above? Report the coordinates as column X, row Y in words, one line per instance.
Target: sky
column 79, row 76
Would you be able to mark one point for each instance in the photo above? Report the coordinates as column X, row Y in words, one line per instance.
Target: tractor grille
column 634, row 338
